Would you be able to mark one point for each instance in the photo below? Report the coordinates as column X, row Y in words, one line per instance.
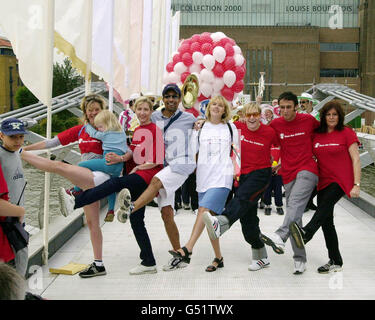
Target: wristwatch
column 357, row 184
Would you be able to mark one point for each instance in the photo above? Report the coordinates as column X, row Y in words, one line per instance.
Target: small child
column 12, row 137
column 113, row 137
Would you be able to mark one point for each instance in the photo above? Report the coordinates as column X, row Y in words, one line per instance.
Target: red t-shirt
column 255, row 147
column 6, row 252
column 86, row 143
column 147, row 146
column 334, row 162
column 275, row 153
column 193, row 111
column 295, row 139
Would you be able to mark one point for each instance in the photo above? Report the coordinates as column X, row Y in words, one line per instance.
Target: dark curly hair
column 323, row 128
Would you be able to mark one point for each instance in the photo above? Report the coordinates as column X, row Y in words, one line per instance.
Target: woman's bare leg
column 197, row 230
column 96, row 236
column 79, row 176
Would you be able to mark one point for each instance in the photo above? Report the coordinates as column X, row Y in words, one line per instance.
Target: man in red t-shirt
column 299, row 172
column 6, row 209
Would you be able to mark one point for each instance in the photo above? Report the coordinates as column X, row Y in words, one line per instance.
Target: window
column 6, row 52
column 346, row 73
column 349, row 47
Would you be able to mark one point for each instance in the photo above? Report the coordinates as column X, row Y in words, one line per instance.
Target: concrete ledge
column 365, row 202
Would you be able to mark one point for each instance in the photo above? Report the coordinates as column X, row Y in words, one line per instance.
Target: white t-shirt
column 214, row 165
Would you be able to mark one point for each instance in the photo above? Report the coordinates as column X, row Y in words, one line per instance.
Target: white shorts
column 100, row 177
column 171, row 182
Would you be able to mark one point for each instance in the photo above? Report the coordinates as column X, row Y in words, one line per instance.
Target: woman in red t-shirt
column 7, row 209
column 335, row 147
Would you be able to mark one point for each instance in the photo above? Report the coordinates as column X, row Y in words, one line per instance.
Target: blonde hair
column 251, row 108
column 109, row 120
column 143, row 100
column 220, row 99
column 88, row 100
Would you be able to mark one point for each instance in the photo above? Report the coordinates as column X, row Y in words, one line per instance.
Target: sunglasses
column 173, row 97
column 253, row 114
column 304, row 101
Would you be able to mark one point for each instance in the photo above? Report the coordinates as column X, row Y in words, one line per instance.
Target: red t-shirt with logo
column 275, row 153
column 334, row 161
column 147, row 146
column 255, row 147
column 295, row 139
column 86, row 143
column 6, row 252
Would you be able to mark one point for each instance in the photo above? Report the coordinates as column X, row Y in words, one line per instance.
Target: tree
column 24, row 97
column 65, row 78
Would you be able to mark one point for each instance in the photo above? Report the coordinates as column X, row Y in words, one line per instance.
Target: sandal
column 177, row 254
column 220, row 264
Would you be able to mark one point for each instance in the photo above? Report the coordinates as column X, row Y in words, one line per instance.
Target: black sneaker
column 261, row 205
column 280, row 211
column 92, row 271
column 267, row 211
column 298, row 234
column 329, row 267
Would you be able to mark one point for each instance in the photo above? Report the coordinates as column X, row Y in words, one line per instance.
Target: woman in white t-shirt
column 214, row 173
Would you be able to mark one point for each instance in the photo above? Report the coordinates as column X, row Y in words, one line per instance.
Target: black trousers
column 244, row 205
column 188, row 190
column 136, row 186
column 275, row 185
column 323, row 217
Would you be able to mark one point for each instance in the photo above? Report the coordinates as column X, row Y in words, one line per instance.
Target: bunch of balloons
column 215, row 59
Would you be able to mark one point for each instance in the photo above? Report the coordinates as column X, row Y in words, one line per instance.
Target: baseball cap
column 12, row 126
column 133, row 96
column 171, row 86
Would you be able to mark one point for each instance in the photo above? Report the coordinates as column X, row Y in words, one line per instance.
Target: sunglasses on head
column 93, row 98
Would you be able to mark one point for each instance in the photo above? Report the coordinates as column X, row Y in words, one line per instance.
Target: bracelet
column 357, row 184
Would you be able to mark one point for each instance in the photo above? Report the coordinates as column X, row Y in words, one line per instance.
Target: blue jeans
column 245, row 203
column 136, row 186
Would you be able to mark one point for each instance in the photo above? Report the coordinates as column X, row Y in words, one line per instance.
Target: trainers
column 329, row 267
column 175, row 263
column 280, row 211
column 267, row 210
column 66, row 202
column 186, row 206
column 92, row 271
column 275, row 241
column 212, row 225
column 299, row 267
column 124, row 199
column 109, row 216
column 298, row 234
column 141, row 269
column 259, row 264
column 261, row 205
column 195, row 212
column 177, row 206
column 73, row 192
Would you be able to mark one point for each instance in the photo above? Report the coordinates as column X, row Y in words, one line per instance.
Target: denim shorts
column 214, row 199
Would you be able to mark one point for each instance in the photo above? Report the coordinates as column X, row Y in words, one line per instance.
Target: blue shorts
column 214, row 199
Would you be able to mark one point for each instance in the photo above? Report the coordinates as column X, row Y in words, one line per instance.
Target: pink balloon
column 218, row 70
column 232, row 42
column 229, row 49
column 195, row 38
column 227, row 93
column 195, row 46
column 184, row 76
column 206, row 48
column 223, row 42
column 238, row 86
column 187, row 59
column 184, row 48
column 240, row 72
column 186, row 42
column 169, row 67
column 205, row 38
column 176, row 58
column 229, row 63
column 202, row 97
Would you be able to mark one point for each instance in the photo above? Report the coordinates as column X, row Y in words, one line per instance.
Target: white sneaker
column 212, row 225
column 141, row 269
column 299, row 267
column 275, row 241
column 66, row 202
column 175, row 263
column 124, row 200
column 259, row 264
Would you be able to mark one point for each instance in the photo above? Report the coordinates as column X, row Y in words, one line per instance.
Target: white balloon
column 165, row 77
column 239, row 59
column 216, row 93
column 229, row 78
column 208, row 61
column 173, row 78
column 197, row 57
column 207, row 76
column 179, row 68
column 219, row 54
column 195, row 68
column 218, row 84
column 206, row 89
column 237, row 49
column 217, row 36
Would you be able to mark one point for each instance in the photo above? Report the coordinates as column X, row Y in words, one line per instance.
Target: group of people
column 169, row 145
